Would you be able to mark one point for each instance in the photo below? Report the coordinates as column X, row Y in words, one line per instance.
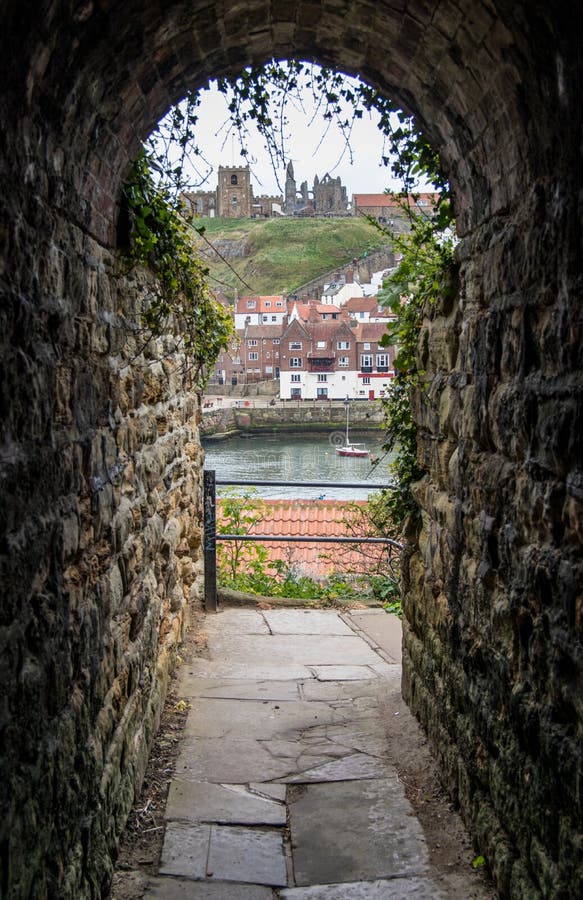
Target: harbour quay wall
column 290, row 416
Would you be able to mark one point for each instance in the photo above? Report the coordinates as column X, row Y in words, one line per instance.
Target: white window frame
column 252, row 342
column 343, row 362
column 253, row 355
column 295, row 362
column 343, row 345
column 321, row 345
column 295, row 345
column 322, row 376
column 366, row 359
column 296, row 378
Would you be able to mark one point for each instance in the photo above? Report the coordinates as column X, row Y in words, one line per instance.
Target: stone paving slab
column 356, row 766
column 343, row 673
column 305, row 621
column 225, row 804
column 185, row 850
column 355, row 830
column 226, row 853
column 236, row 621
column 385, row 632
column 239, row 670
column 230, row 762
column 279, row 650
column 384, row 889
column 240, row 719
column 231, row 689
column 166, row 888
column 248, row 855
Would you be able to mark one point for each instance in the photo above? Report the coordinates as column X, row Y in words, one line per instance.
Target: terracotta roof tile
column 320, row 518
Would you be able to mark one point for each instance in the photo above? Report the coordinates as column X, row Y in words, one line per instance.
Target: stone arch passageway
column 99, row 460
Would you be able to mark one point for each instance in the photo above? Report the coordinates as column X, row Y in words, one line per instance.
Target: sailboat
column 349, row 448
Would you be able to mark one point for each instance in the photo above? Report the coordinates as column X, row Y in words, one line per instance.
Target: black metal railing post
column 210, row 540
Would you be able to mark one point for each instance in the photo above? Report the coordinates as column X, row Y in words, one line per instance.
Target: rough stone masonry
column 100, row 462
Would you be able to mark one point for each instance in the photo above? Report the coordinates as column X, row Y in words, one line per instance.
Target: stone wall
column 494, row 616
column 100, row 479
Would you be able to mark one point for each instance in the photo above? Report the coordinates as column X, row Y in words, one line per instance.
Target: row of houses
column 317, row 350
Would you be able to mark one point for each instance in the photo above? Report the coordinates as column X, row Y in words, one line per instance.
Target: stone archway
column 493, row 643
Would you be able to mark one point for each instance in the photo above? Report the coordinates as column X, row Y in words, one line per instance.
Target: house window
column 343, row 361
column 322, row 393
column 233, row 181
column 252, row 342
column 366, row 346
column 267, row 304
column 250, row 304
column 268, row 355
column 268, row 370
column 295, row 362
column 321, row 345
column 253, row 355
column 366, row 361
column 274, row 318
column 296, row 393
column 322, row 376
column 279, row 302
column 236, row 360
column 234, row 201
column 366, row 380
column 295, row 345
column 275, row 341
column 265, row 318
column 343, row 345
column 383, row 362
column 296, row 376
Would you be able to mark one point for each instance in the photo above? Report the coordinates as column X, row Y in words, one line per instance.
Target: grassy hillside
column 276, row 255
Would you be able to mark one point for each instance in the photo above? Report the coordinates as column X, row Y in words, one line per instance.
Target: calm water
column 297, row 457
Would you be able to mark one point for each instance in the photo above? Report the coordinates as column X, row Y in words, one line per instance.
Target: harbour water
column 297, row 457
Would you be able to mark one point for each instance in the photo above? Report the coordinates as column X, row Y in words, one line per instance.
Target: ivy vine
column 425, row 274
column 160, row 240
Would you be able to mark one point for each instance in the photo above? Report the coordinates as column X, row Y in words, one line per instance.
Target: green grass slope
column 274, row 256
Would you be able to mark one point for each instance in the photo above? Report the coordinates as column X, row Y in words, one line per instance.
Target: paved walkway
column 283, row 787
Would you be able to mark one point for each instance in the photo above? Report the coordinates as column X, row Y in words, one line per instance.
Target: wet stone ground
column 300, row 774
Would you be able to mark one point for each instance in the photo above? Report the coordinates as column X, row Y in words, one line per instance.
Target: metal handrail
column 211, row 536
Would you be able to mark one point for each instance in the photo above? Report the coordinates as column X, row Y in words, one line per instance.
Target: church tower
column 290, row 190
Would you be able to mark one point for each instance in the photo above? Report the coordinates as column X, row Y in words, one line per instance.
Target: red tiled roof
column 319, row 518
column 390, row 200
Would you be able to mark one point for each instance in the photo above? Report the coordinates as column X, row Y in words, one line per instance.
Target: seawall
column 219, row 424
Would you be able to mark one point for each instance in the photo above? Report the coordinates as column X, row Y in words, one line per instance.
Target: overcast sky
column 311, row 155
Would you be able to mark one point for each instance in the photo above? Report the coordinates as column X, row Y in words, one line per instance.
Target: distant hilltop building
column 233, row 198
column 327, row 197
column 388, row 208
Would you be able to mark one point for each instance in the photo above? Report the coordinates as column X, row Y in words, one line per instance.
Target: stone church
column 328, row 196
column 232, row 199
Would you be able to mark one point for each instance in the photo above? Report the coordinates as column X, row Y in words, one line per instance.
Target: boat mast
column 347, row 404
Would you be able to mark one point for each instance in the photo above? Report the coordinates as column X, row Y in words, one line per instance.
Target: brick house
column 261, row 352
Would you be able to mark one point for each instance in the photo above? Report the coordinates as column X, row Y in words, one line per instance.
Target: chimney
column 350, row 276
